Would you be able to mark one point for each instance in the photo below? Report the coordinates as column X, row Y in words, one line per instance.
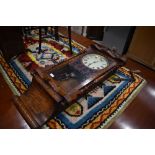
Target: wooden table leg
column 39, row 39
column 56, row 33
column 69, row 36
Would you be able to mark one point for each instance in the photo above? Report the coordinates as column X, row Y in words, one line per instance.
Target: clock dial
column 94, row 61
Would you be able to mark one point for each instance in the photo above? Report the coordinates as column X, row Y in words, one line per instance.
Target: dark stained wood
column 40, row 39
column 95, row 32
column 9, row 115
column 141, row 112
column 36, row 106
column 56, row 29
column 11, row 41
column 70, row 38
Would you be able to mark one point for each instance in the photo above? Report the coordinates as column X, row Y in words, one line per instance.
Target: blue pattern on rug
column 92, row 100
column 107, row 89
column 64, row 119
column 20, row 74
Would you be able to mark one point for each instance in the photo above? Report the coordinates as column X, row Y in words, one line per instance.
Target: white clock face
column 94, row 61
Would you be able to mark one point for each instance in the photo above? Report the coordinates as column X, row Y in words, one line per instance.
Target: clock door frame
column 82, row 88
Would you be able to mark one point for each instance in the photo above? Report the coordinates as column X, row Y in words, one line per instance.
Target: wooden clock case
column 47, row 95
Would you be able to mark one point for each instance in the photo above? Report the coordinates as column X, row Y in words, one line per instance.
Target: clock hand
column 95, row 61
column 92, row 63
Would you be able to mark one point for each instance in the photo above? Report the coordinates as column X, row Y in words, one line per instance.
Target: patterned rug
column 53, row 52
column 23, row 65
column 97, row 109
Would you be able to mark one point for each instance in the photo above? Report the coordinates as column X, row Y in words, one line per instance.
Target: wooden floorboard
column 9, row 116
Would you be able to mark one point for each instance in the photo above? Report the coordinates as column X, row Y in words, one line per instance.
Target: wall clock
column 76, row 76
column 95, row 61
